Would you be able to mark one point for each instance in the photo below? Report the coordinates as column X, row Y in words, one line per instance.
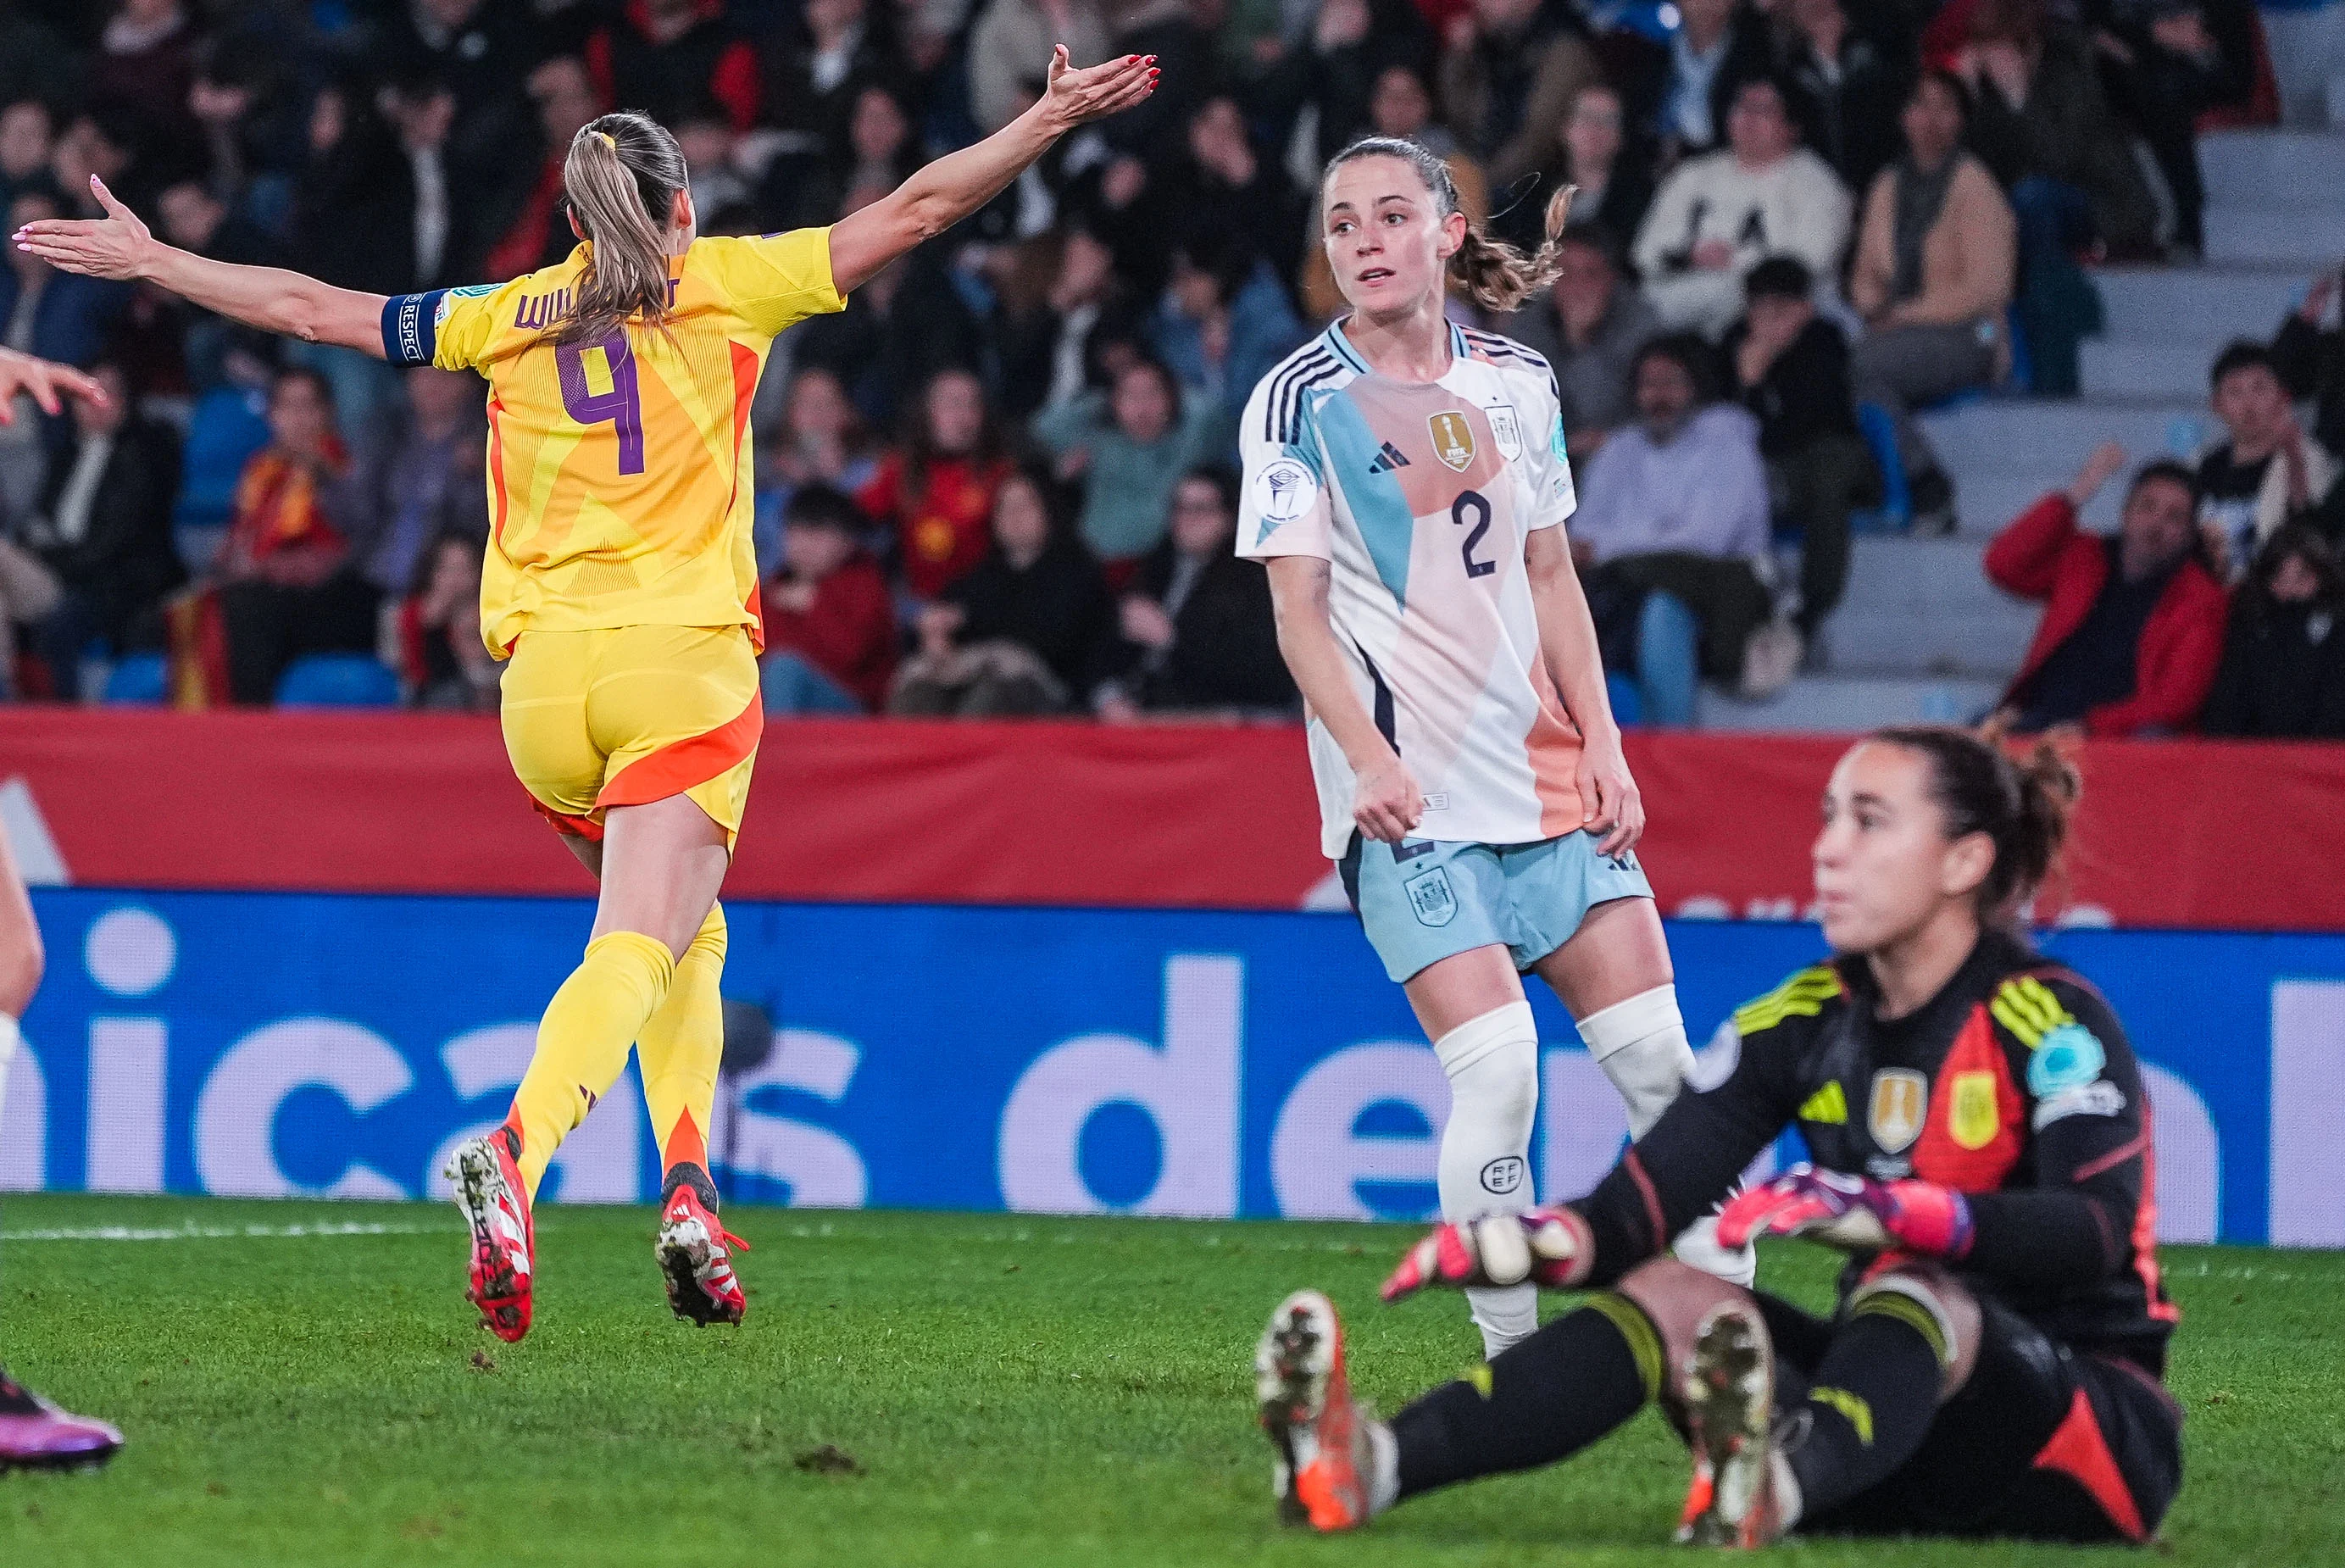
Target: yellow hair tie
column 607, row 139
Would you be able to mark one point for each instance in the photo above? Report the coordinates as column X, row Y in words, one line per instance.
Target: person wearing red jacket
column 831, row 640
column 2132, row 626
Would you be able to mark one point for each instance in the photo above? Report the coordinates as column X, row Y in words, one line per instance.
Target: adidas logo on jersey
column 1390, row 458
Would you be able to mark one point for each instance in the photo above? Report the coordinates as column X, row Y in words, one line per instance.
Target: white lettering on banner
column 1583, row 1124
column 235, row 1114
column 599, row 1162
column 126, row 1065
column 1190, row 1087
column 2308, row 1085
column 23, row 1122
column 822, row 1168
column 1316, row 1159
column 29, row 840
column 2189, row 1189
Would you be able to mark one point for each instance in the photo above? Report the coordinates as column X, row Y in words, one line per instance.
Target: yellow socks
column 679, row 1049
column 582, row 1041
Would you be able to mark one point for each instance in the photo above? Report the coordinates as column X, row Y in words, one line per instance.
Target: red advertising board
column 2172, row 833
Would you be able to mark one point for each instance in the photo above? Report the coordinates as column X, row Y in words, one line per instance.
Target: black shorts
column 2044, row 1442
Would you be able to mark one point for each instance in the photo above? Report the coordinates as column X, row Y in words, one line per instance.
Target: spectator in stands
column 480, row 49
column 286, row 583
column 54, row 315
column 812, row 68
column 1614, row 192
column 935, row 491
column 1198, row 619
column 875, row 155
column 897, row 333
column 147, row 61
column 102, row 142
column 1846, row 76
column 1672, row 532
column 1046, row 345
column 1721, row 215
column 2312, row 360
column 821, row 440
column 416, row 478
column 1031, row 630
column 1225, row 199
column 665, row 57
column 2038, row 111
column 2283, row 672
column 1509, row 72
column 538, row 234
column 1224, row 322
column 1129, row 446
column 1341, row 69
column 103, row 531
column 1791, row 371
column 1935, row 266
column 27, row 127
column 383, row 200
column 1010, row 40
column 432, row 636
column 2166, row 68
column 1719, row 45
column 1590, row 327
column 2266, row 471
column 2132, row 626
column 830, row 625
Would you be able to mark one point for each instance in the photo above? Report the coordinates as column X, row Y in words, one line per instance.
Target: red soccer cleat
column 1320, row 1475
column 1730, row 1412
column 489, row 1191
column 37, row 1435
column 696, row 1262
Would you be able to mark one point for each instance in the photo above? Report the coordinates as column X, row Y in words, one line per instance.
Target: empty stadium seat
column 1628, row 703
column 139, row 680
column 337, row 680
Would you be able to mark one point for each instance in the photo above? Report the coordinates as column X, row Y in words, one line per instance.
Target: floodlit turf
column 909, row 1388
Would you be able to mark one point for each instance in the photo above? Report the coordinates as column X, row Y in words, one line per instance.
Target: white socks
column 1493, row 1066
column 1383, row 1468
column 1641, row 1045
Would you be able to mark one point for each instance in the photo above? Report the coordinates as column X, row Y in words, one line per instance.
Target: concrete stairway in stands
column 1920, row 633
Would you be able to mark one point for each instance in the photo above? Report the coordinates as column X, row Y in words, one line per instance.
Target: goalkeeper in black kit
column 1981, row 1148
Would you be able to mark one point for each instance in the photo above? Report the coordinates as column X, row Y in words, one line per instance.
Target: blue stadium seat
column 139, row 680
column 1628, row 703
column 1896, row 512
column 226, row 428
column 337, row 680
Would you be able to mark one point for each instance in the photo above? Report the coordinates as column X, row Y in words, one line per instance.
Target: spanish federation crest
column 1506, row 430
column 1431, row 898
column 1453, row 439
column 1900, row 1098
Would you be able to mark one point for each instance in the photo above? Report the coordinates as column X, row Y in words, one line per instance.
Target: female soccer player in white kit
column 1405, row 482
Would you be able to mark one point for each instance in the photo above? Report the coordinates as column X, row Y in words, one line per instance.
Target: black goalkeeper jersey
column 2014, row 1084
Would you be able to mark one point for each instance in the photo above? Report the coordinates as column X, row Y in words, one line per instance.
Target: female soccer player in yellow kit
column 620, row 583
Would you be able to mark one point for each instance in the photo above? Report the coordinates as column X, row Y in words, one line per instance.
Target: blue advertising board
column 1031, row 1059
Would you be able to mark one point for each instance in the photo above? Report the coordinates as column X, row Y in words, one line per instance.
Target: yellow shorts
column 631, row 715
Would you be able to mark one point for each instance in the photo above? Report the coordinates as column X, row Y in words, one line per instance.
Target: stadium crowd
column 1001, row 482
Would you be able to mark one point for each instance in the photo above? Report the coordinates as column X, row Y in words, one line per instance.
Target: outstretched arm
column 118, row 245
column 947, row 191
column 48, row 384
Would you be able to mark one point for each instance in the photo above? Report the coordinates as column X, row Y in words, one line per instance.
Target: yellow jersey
column 619, row 472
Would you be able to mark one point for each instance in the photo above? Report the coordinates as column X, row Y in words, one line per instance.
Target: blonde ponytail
column 622, row 176
column 1490, row 272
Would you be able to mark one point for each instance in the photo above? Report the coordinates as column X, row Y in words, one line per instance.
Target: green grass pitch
column 1008, row 1390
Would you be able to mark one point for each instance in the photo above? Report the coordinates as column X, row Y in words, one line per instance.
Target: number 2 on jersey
column 620, row 405
column 1475, row 502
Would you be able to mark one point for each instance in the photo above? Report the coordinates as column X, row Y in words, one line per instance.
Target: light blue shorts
column 1423, row 899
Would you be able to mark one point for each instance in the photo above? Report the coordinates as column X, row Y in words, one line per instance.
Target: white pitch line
column 217, row 1232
